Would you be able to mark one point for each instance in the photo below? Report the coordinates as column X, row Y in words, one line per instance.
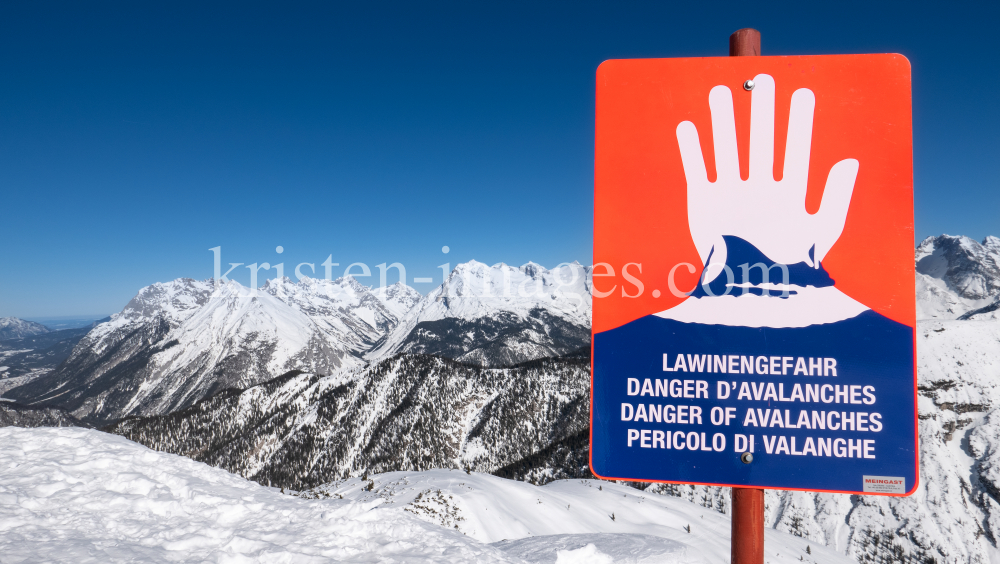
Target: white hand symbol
column 771, row 215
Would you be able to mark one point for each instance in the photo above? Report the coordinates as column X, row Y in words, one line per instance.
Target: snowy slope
column 498, row 315
column 14, row 328
column 956, row 275
column 990, row 311
column 77, row 496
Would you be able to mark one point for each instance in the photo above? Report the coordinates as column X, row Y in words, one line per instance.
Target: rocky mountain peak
column 955, row 275
column 173, row 299
column 532, row 269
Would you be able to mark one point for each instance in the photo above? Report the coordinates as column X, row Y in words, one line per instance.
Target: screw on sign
column 754, row 307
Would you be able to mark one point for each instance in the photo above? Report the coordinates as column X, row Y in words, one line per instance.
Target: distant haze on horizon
column 134, row 137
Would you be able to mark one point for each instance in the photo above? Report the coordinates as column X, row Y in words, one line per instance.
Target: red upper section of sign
column 862, row 111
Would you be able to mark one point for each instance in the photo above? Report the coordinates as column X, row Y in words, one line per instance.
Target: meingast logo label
column 884, row 484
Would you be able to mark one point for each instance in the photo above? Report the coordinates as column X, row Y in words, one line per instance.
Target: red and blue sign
column 754, row 315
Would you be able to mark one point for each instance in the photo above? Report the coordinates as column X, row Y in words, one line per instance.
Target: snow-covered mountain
column 78, row 495
column 956, row 275
column 178, row 342
column 398, row 298
column 346, row 311
column 14, row 328
column 498, row 315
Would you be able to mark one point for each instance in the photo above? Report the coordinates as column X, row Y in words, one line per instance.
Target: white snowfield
column 77, row 495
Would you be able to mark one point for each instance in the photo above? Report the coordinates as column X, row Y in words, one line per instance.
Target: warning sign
column 754, row 282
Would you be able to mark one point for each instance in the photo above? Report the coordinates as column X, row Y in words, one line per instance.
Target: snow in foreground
column 535, row 522
column 79, row 495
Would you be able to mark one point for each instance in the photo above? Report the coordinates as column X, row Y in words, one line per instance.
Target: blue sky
column 136, row 136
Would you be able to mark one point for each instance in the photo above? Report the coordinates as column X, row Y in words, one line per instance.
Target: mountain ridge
column 498, row 315
column 181, row 341
column 177, row 342
column 16, row 328
column 422, row 412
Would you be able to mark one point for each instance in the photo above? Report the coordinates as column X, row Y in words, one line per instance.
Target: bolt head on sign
column 754, row 310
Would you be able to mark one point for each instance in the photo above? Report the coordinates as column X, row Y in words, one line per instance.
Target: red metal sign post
column 747, row 542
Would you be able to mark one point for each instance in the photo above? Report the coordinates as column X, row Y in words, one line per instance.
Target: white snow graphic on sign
column 775, row 238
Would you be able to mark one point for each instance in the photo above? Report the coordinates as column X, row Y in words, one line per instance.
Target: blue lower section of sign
column 830, row 403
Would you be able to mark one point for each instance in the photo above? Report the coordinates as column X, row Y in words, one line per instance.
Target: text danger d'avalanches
column 820, row 407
